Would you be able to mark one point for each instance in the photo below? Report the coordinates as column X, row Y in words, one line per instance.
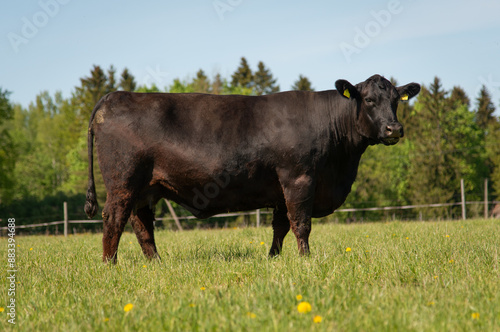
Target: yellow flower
column 262, row 243
column 128, row 307
column 430, row 304
column 447, row 235
column 347, row 249
column 366, row 236
column 144, row 266
column 18, row 245
column 435, row 277
column 202, row 288
column 299, row 297
column 394, row 234
column 475, row 315
column 106, row 319
column 1, row 309
column 304, row 307
column 317, row 319
column 251, row 315
column 31, row 248
column 192, row 305
column 407, row 238
column 251, row 242
column 451, row 261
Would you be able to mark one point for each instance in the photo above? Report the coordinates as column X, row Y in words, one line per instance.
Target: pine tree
column 217, row 85
column 446, row 146
column 127, row 81
column 459, row 97
column 243, row 76
column 485, row 108
column 111, row 84
column 92, row 89
column 264, row 82
column 302, row 84
column 201, row 83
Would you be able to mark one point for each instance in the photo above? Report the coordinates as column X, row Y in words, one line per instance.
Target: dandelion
column 475, row 315
column 251, row 315
column 192, row 305
column 347, row 249
column 144, row 266
column 202, row 288
column 394, row 234
column 317, row 319
column 18, row 245
column 447, row 235
column 128, row 307
column 304, row 307
column 1, row 309
column 451, row 261
column 299, row 297
column 31, row 248
column 366, row 236
column 262, row 243
column 435, row 277
column 407, row 238
column 106, row 319
column 251, row 242
column 430, row 304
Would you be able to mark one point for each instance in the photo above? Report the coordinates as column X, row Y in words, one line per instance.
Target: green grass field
column 432, row 276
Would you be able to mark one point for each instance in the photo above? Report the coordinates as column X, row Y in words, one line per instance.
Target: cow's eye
column 368, row 100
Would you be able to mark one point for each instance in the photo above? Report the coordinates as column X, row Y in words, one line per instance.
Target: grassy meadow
column 397, row 276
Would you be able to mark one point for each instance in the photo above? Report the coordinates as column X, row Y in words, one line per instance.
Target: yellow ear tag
column 347, row 93
column 404, row 97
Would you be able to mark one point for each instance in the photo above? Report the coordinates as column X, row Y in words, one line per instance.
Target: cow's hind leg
column 115, row 216
column 281, row 226
column 142, row 223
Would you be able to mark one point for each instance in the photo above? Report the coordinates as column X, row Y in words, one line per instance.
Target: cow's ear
column 346, row 89
column 408, row 91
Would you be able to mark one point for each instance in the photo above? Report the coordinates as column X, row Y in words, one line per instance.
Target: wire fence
column 258, row 213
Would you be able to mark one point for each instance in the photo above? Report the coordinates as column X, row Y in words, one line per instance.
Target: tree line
column 43, row 148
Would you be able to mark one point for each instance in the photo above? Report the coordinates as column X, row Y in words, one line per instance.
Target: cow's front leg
column 299, row 192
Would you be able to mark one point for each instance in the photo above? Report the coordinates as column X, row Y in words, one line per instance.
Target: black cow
column 297, row 152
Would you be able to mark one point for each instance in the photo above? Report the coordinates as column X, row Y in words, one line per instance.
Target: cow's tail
column 91, row 205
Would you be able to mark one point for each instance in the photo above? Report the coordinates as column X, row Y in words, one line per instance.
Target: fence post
column 174, row 215
column 65, row 205
column 258, row 217
column 462, row 189
column 485, row 198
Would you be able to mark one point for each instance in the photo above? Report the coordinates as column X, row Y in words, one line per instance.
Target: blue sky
column 50, row 44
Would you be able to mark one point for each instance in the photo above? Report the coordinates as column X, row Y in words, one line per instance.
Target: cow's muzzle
column 392, row 133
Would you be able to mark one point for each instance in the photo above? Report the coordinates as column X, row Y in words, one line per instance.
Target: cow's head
column 377, row 101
